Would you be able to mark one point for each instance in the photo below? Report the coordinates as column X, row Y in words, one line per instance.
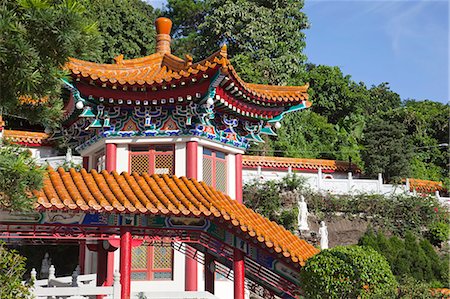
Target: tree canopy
column 265, row 39
column 36, row 39
column 126, row 28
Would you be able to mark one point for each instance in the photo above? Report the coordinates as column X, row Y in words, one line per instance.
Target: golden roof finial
column 119, row 59
column 163, row 27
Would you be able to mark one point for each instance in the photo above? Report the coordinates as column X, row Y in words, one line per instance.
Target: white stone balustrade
column 72, row 287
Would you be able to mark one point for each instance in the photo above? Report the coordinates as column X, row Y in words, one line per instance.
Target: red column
column 86, row 163
column 110, row 269
column 102, row 259
column 111, row 156
column 82, row 255
column 125, row 262
column 190, row 270
column 239, row 274
column 239, row 178
column 209, row 273
column 191, row 159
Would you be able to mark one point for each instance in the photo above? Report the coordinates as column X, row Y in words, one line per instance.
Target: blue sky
column 403, row 42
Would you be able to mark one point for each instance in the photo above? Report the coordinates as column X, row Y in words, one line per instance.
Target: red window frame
column 152, row 152
column 149, row 270
column 213, row 157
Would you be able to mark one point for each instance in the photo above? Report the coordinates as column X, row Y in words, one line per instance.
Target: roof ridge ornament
column 163, row 27
column 119, row 59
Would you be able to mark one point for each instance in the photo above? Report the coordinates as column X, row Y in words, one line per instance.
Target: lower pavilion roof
column 425, row 186
column 26, row 137
column 165, row 195
column 298, row 163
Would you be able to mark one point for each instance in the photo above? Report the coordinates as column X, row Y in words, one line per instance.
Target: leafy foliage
column 126, row 27
column 410, row 257
column 387, row 149
column 19, row 176
column 398, row 213
column 410, row 288
column 348, row 272
column 36, row 39
column 305, row 134
column 12, row 268
column 273, row 200
column 438, row 232
column 263, row 37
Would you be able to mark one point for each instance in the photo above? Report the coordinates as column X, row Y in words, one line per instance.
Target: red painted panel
column 239, row 178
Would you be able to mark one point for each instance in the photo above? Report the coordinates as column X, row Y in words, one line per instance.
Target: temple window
column 152, row 262
column 215, row 169
column 100, row 161
column 152, row 159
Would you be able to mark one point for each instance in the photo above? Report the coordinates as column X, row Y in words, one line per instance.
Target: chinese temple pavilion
column 162, row 140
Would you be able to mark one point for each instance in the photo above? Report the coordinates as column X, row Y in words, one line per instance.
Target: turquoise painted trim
column 268, row 131
column 75, row 92
column 291, row 109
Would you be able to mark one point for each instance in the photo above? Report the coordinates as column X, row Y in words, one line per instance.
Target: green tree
column 427, row 124
column 387, row 149
column 306, row 134
column 335, row 95
column 348, row 272
column 126, row 27
column 36, row 39
column 265, row 38
column 19, row 176
column 411, row 257
column 12, row 269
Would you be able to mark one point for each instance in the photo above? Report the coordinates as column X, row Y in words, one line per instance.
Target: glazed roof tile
column 160, row 68
column 25, row 137
column 164, row 195
column 425, row 186
column 297, row 163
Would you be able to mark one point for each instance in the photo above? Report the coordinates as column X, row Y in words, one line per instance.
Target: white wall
column 339, row 184
column 122, row 158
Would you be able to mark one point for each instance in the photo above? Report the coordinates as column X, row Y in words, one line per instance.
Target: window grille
column 215, row 169
column 100, row 161
column 158, row 159
column 152, row 262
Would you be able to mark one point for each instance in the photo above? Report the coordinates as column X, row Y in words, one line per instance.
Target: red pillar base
column 239, row 274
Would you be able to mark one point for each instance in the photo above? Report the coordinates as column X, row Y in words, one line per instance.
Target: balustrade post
column 116, row 286
column 319, row 179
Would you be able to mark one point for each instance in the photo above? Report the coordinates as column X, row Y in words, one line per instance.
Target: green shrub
column 348, row 272
column 19, row 176
column 410, row 288
column 412, row 257
column 12, row 268
column 438, row 232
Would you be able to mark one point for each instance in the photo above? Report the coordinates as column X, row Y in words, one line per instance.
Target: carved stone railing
column 72, row 287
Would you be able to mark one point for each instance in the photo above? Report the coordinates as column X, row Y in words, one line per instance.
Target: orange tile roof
column 297, row 163
column 164, row 195
column 164, row 67
column 425, row 186
column 26, row 137
column 438, row 292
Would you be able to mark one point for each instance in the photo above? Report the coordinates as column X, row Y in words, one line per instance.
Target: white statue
column 323, row 235
column 302, row 217
column 45, row 266
column 69, row 155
